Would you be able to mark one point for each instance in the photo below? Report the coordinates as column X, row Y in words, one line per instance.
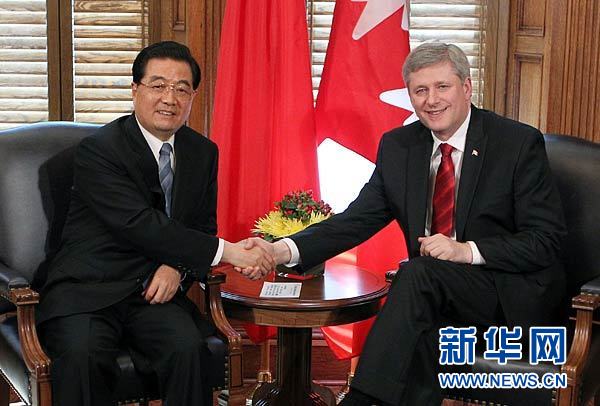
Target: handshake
column 255, row 257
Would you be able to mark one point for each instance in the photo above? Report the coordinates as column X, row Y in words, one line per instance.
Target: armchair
column 575, row 165
column 35, row 181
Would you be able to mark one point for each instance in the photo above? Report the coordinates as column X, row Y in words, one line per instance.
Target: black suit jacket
column 507, row 204
column 117, row 232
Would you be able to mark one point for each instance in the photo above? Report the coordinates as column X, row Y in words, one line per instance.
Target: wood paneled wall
column 553, row 69
column 580, row 101
column 205, row 18
column 196, row 23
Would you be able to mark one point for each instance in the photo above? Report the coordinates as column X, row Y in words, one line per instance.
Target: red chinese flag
column 361, row 96
column 263, row 118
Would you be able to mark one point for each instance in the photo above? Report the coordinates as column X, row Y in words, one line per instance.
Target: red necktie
column 443, row 196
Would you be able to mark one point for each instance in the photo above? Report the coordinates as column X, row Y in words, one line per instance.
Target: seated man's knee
column 419, row 272
column 191, row 346
column 416, row 267
column 423, row 262
column 187, row 345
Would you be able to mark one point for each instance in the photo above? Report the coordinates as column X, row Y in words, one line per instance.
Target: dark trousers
column 83, row 349
column 400, row 359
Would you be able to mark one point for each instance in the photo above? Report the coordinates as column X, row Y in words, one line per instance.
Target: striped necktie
column 442, row 220
column 165, row 174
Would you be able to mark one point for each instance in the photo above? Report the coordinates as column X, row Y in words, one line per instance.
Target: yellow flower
column 274, row 225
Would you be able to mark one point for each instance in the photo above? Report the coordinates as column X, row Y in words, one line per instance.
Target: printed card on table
column 281, row 290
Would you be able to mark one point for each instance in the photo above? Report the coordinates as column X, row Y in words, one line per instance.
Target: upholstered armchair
column 35, row 181
column 575, row 165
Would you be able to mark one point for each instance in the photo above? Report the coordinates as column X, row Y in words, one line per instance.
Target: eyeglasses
column 182, row 92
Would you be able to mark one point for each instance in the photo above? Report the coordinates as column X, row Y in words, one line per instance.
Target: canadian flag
column 361, row 96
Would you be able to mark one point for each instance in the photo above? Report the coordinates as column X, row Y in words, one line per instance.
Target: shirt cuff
column 477, row 258
column 219, row 253
column 295, row 258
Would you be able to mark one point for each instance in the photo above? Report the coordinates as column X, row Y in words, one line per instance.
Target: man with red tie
column 475, row 198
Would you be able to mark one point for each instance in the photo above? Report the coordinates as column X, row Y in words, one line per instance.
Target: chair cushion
column 36, row 167
column 132, row 384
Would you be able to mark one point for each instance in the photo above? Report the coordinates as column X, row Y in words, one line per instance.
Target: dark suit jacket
column 117, row 232
column 507, row 204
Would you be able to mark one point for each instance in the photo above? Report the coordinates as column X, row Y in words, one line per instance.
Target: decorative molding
column 203, row 38
column 525, row 9
column 518, row 110
column 179, row 12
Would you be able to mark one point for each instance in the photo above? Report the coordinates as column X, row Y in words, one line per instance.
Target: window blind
column 23, row 62
column 107, row 36
column 320, row 17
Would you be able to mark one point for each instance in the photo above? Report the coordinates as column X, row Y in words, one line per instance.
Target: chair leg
column 4, row 392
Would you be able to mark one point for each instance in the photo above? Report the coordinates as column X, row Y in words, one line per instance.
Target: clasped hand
column 254, row 261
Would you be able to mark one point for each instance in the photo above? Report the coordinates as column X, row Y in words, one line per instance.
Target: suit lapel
column 473, row 159
column 143, row 158
column 419, row 156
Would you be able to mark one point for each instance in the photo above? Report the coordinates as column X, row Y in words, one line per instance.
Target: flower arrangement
column 296, row 211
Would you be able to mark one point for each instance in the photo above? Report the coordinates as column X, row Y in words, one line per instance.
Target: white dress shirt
column 458, row 141
column 155, row 145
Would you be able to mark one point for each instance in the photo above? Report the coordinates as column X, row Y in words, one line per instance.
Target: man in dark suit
column 482, row 219
column 141, row 227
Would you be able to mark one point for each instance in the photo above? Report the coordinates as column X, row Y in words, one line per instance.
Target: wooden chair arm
column 585, row 305
column 216, row 312
column 215, row 306
column 36, row 360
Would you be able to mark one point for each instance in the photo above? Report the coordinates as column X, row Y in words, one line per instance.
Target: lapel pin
column 475, row 152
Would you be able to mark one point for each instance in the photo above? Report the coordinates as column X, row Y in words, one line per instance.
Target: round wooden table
column 344, row 294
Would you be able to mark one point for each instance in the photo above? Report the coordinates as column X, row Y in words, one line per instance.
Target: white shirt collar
column 154, row 143
column 457, row 140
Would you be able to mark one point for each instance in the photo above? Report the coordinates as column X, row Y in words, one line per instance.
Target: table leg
column 294, row 386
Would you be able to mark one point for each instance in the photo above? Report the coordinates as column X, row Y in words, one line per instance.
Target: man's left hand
column 442, row 247
column 163, row 286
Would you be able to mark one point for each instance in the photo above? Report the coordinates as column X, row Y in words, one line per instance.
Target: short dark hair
column 165, row 50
